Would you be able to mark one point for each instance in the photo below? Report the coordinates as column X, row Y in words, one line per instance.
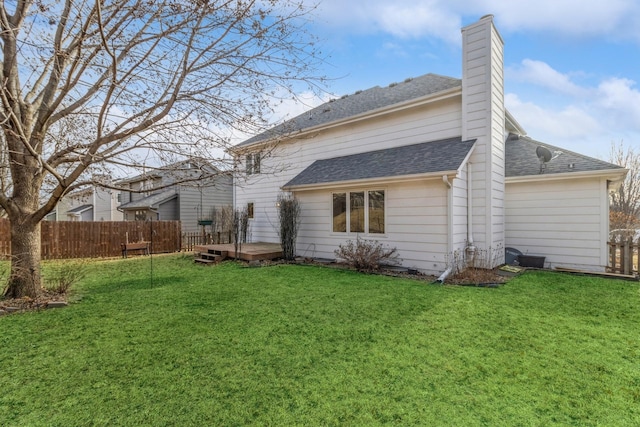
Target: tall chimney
column 483, row 118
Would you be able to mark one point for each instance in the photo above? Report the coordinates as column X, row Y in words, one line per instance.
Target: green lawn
column 294, row 345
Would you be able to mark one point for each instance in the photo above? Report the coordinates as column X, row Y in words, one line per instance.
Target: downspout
column 447, row 272
column 470, row 250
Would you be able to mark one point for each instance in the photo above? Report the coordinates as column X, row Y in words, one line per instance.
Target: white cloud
column 613, row 104
column 418, row 19
column 541, row 74
column 572, row 17
column 622, row 100
column 401, row 18
column 565, row 122
column 586, row 123
column 615, row 19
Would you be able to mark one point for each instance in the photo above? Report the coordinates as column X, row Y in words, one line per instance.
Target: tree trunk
column 25, row 279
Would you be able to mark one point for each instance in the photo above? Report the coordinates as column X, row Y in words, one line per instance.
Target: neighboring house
column 433, row 166
column 90, row 204
column 160, row 195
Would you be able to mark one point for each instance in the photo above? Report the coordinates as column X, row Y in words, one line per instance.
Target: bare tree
column 101, row 83
column 625, row 201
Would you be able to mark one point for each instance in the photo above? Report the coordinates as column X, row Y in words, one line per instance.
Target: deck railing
column 189, row 240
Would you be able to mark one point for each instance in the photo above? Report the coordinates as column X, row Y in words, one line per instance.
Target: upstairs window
column 359, row 212
column 252, row 163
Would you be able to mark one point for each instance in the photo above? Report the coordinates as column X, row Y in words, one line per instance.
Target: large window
column 359, row 212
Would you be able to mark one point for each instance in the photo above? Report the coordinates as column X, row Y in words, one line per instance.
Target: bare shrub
column 61, row 276
column 367, row 255
column 4, row 278
column 289, row 215
column 475, row 269
column 240, row 225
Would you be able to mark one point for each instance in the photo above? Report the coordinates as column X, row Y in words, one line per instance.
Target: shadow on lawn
column 137, row 284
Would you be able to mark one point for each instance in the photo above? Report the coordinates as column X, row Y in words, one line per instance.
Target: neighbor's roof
column 359, row 103
column 521, row 159
column 418, row 159
column 151, row 201
column 178, row 169
column 79, row 209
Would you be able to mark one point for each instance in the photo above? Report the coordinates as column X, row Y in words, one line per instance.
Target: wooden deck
column 248, row 251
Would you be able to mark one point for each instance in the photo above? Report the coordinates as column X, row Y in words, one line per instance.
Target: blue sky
column 572, row 68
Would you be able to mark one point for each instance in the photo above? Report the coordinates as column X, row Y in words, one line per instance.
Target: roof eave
column 511, row 121
column 610, row 174
column 372, row 181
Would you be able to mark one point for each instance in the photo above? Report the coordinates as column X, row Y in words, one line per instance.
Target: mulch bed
column 46, row 299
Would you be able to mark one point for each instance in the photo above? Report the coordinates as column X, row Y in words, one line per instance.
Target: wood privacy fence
column 623, row 256
column 85, row 239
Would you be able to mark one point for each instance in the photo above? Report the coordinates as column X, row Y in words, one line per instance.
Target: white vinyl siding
column 196, row 202
column 560, row 220
column 434, row 121
column 484, row 118
column 416, row 224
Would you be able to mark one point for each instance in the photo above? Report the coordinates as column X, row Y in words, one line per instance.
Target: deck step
column 222, row 254
column 210, row 257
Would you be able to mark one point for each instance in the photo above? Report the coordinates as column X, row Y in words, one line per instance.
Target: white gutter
column 611, row 174
column 372, row 181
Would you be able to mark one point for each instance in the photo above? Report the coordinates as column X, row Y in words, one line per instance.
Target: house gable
column 360, row 104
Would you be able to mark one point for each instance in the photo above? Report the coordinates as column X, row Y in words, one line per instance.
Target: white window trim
column 366, row 213
column 251, row 218
column 253, row 163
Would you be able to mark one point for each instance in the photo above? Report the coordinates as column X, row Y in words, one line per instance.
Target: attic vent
column 408, row 79
column 344, row 96
column 332, row 100
column 358, row 92
column 393, row 84
column 326, row 110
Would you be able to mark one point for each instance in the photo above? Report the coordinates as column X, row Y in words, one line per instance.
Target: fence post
column 626, row 260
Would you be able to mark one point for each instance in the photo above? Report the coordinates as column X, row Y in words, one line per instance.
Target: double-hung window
column 252, row 163
column 359, row 212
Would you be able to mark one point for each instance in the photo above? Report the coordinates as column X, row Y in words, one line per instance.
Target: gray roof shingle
column 151, row 201
column 521, row 159
column 360, row 102
column 427, row 157
column 80, row 209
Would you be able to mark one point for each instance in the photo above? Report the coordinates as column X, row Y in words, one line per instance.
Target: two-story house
column 431, row 166
column 185, row 191
column 93, row 203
